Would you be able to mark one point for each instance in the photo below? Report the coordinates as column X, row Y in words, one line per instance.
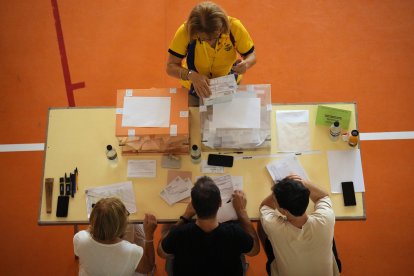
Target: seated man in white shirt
column 302, row 243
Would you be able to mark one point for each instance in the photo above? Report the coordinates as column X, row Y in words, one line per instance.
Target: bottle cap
column 336, row 123
column 108, row 147
column 194, row 147
column 354, row 132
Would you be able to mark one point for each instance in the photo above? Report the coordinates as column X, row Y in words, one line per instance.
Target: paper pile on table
column 222, row 89
column 178, row 189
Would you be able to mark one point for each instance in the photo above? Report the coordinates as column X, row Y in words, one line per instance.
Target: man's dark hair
column 205, row 197
column 292, row 195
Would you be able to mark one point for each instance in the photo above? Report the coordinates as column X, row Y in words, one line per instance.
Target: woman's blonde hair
column 208, row 18
column 108, row 220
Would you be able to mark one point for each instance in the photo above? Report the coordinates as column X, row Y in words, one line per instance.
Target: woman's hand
column 200, row 83
column 150, row 224
column 240, row 67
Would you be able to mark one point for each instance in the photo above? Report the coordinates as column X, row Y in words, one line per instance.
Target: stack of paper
column 242, row 123
column 293, row 130
column 177, row 190
column 222, row 89
column 124, row 191
column 281, row 168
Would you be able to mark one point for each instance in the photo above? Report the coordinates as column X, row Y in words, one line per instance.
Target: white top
column 306, row 251
column 95, row 258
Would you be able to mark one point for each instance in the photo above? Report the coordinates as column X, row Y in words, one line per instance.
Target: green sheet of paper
column 328, row 115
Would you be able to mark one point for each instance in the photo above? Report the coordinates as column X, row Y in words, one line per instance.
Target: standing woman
column 101, row 249
column 208, row 46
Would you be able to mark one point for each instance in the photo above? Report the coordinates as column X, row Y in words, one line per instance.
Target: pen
column 67, row 181
column 228, row 201
column 62, row 186
column 72, row 184
column 230, row 152
column 76, row 178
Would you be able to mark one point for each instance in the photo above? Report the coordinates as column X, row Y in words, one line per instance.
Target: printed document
column 281, row 168
column 205, row 168
column 178, row 189
column 222, row 89
column 124, row 191
column 226, row 212
column 141, row 168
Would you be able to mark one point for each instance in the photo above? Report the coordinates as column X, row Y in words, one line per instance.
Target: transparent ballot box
column 152, row 120
column 242, row 122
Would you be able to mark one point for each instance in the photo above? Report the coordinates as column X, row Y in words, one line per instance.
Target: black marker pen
column 61, row 186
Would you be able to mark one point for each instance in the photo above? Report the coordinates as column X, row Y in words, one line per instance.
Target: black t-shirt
column 213, row 254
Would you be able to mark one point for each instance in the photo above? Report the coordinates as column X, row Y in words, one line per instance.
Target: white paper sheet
column 293, row 130
column 146, row 112
column 345, row 165
column 281, row 168
column 239, row 113
column 226, row 212
column 142, row 168
column 225, row 184
column 222, row 90
column 178, row 189
column 210, row 169
column 124, row 191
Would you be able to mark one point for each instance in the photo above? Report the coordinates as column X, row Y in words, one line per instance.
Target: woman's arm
column 200, row 82
column 147, row 261
column 247, row 62
column 174, row 68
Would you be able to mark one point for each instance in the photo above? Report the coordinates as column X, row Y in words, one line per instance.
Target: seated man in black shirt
column 207, row 247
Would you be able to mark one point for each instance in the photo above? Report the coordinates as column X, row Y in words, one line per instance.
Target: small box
column 144, row 125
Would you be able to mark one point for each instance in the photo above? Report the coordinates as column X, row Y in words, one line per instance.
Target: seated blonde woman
column 103, row 251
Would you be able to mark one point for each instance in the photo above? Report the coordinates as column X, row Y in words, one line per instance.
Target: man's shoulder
column 323, row 211
column 324, row 204
column 183, row 228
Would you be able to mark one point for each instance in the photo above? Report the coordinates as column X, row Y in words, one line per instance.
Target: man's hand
column 150, row 224
column 298, row 178
column 189, row 211
column 240, row 67
column 239, row 201
column 200, row 83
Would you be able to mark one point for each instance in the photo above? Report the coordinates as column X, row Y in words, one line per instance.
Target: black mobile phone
column 348, row 193
column 62, row 206
column 220, row 160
